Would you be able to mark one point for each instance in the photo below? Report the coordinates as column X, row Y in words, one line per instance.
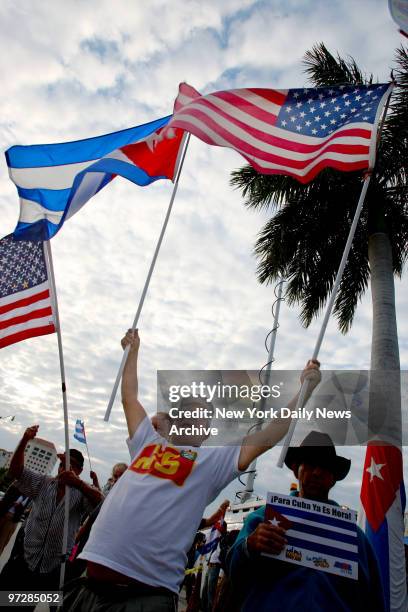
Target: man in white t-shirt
column 137, row 548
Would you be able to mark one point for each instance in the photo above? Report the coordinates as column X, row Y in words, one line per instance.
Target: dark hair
column 77, row 455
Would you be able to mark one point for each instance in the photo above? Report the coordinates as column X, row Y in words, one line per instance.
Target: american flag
column 297, row 132
column 25, row 302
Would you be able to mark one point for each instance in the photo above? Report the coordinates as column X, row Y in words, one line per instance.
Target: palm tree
column 304, row 240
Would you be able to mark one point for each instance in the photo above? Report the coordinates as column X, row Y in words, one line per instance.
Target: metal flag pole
column 149, row 275
column 51, row 276
column 305, row 384
column 87, row 449
column 249, row 487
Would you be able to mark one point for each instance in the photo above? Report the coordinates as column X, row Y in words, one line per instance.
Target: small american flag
column 297, row 132
column 25, row 302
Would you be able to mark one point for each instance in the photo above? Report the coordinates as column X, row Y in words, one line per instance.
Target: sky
column 76, row 70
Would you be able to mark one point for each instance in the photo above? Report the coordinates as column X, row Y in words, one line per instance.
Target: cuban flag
column 383, row 501
column 213, row 539
column 54, row 181
column 79, row 433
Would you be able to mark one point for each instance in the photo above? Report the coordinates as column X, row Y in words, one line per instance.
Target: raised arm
column 134, row 411
column 218, row 514
column 17, row 461
column 261, row 441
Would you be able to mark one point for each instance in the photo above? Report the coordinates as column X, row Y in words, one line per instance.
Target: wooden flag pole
column 51, row 276
column 147, row 282
column 305, row 384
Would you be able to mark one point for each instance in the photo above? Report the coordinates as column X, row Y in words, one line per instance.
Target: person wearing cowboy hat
column 275, row 585
column 39, row 569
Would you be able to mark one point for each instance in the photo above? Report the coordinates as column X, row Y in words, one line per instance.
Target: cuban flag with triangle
column 383, row 499
column 54, row 181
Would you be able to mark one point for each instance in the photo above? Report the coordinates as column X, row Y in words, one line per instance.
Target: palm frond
column 324, row 69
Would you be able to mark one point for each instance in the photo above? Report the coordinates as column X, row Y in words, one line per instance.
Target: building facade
column 5, row 457
column 39, row 456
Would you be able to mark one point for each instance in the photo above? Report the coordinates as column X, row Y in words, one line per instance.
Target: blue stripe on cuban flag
column 79, row 433
column 213, row 538
column 54, row 181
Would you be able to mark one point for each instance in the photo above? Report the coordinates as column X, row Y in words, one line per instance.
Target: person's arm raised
column 134, row 411
column 17, row 461
column 261, row 441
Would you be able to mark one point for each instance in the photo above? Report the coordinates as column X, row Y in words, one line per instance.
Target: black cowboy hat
column 318, row 448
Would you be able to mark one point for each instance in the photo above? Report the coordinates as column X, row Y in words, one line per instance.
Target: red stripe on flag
column 245, row 106
column 344, row 166
column 272, row 95
column 25, row 301
column 255, row 132
column 29, row 316
column 27, row 333
column 188, row 91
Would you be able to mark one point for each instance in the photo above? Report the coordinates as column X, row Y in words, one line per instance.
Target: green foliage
column 304, row 239
column 5, row 481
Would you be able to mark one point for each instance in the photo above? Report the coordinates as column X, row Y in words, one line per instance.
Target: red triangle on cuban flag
column 276, row 518
column 382, row 477
column 157, row 155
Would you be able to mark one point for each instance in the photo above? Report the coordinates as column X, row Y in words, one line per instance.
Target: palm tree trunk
column 385, row 423
column 385, row 392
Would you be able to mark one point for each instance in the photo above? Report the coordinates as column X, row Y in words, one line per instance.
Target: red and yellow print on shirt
column 169, row 463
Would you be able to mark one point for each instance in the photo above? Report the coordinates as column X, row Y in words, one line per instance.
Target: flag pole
column 304, row 388
column 86, row 444
column 149, row 275
column 51, row 276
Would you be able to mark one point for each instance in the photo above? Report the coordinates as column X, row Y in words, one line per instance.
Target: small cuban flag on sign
column 80, row 431
column 320, row 536
column 213, row 539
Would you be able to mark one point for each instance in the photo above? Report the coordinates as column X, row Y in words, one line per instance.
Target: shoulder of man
column 30, row 475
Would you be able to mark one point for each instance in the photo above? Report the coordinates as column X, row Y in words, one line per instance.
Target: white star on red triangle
column 375, row 469
column 274, row 522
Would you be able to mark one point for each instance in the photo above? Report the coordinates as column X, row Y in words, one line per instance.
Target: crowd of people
column 134, row 543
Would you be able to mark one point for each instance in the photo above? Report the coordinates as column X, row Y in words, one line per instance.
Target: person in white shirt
column 137, row 548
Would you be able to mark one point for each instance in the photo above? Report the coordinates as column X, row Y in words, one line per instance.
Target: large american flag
column 297, row 132
column 25, row 302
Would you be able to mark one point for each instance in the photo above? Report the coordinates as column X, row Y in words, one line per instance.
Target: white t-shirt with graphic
column 147, row 523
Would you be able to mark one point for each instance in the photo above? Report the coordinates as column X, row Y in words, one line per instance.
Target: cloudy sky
column 77, row 69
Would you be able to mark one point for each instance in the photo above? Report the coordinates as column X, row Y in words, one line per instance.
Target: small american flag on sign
column 296, row 132
column 25, row 302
